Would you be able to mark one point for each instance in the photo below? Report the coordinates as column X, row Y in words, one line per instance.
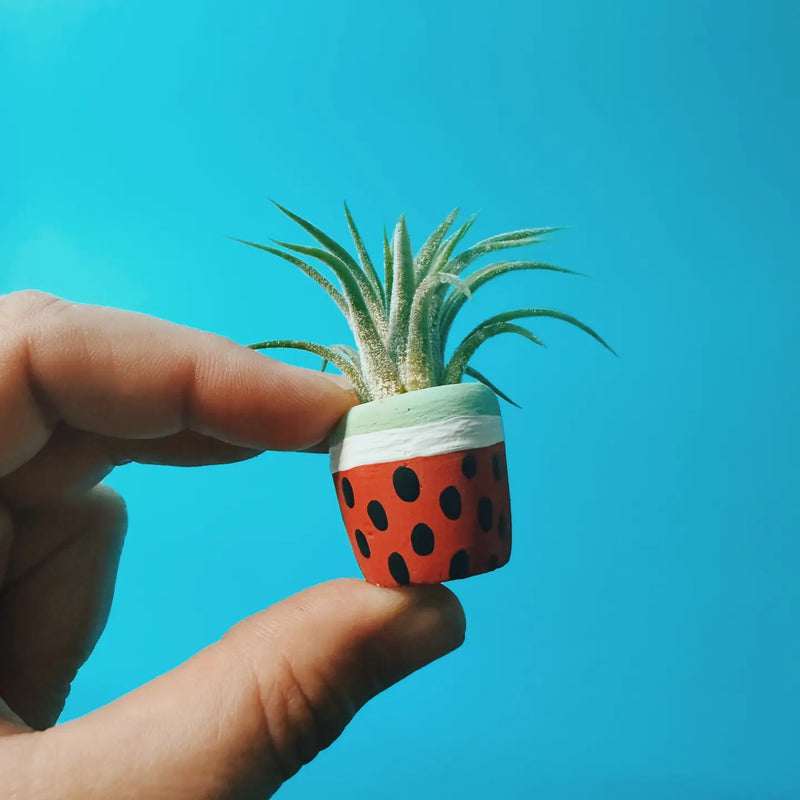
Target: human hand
column 83, row 389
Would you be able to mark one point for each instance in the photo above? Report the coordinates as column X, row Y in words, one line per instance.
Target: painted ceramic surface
column 422, row 484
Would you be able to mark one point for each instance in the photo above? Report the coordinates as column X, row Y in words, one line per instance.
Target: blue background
column 643, row 642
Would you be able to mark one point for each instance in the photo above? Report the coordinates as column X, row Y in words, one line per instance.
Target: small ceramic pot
column 422, row 485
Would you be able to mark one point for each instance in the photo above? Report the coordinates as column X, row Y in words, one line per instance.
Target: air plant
column 420, row 466
column 401, row 324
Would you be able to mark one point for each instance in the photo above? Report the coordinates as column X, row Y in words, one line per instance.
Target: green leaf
column 335, row 249
column 365, row 319
column 324, row 365
column 350, row 353
column 505, row 242
column 425, row 256
column 482, row 333
column 312, row 273
column 387, row 269
column 446, row 249
column 473, row 373
column 422, row 367
column 363, row 256
column 402, row 291
column 524, row 233
column 480, row 277
column 527, row 313
column 326, row 241
column 354, row 289
column 331, row 354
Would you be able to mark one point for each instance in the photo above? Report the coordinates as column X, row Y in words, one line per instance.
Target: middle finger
column 74, row 461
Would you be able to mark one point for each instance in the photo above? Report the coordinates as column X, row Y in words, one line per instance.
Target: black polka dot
column 406, row 484
column 493, row 562
column 502, row 526
column 497, row 467
column 450, row 502
column 422, row 539
column 469, row 466
column 363, row 544
column 398, row 568
column 485, row 513
column 377, row 514
column 459, row 564
column 347, row 493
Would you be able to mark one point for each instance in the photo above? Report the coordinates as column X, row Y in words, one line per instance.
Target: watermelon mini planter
column 422, row 485
column 420, row 466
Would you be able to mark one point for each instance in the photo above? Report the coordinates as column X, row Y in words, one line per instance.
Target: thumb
column 247, row 712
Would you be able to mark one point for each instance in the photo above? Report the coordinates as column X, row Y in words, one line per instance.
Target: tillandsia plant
column 420, row 467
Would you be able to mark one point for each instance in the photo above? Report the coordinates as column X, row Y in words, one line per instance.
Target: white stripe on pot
column 430, row 439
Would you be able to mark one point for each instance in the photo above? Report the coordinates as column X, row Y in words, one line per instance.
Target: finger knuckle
column 110, row 508
column 26, row 310
column 291, row 716
column 315, row 711
column 302, row 712
column 25, row 303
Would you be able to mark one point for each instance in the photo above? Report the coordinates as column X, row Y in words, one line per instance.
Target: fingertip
column 428, row 622
column 131, row 376
column 314, row 403
column 410, row 626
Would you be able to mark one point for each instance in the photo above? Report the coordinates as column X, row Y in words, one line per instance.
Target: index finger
column 128, row 375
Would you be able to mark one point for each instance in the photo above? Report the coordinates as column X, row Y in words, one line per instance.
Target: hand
column 83, row 389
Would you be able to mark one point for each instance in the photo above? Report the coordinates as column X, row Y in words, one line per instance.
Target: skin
column 84, row 389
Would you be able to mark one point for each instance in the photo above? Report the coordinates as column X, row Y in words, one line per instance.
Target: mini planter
column 420, row 466
column 422, row 485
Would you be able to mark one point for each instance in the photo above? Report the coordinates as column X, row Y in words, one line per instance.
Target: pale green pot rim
column 419, row 407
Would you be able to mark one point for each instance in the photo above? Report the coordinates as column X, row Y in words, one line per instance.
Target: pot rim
column 410, row 409
column 423, row 423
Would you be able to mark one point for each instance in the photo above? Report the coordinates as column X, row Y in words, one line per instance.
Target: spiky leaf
column 388, row 279
column 482, row 276
column 527, row 313
column 484, row 332
column 334, row 248
column 312, row 273
column 402, row 291
column 447, row 247
column 350, row 353
column 473, row 373
column 331, row 354
column 367, row 323
column 522, row 233
column 363, row 256
column 421, row 365
column 355, row 286
column 492, row 245
column 426, row 254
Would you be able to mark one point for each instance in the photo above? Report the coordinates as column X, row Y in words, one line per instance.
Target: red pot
column 422, row 485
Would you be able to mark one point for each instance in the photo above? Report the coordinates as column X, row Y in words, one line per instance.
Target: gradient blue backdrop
column 643, row 642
